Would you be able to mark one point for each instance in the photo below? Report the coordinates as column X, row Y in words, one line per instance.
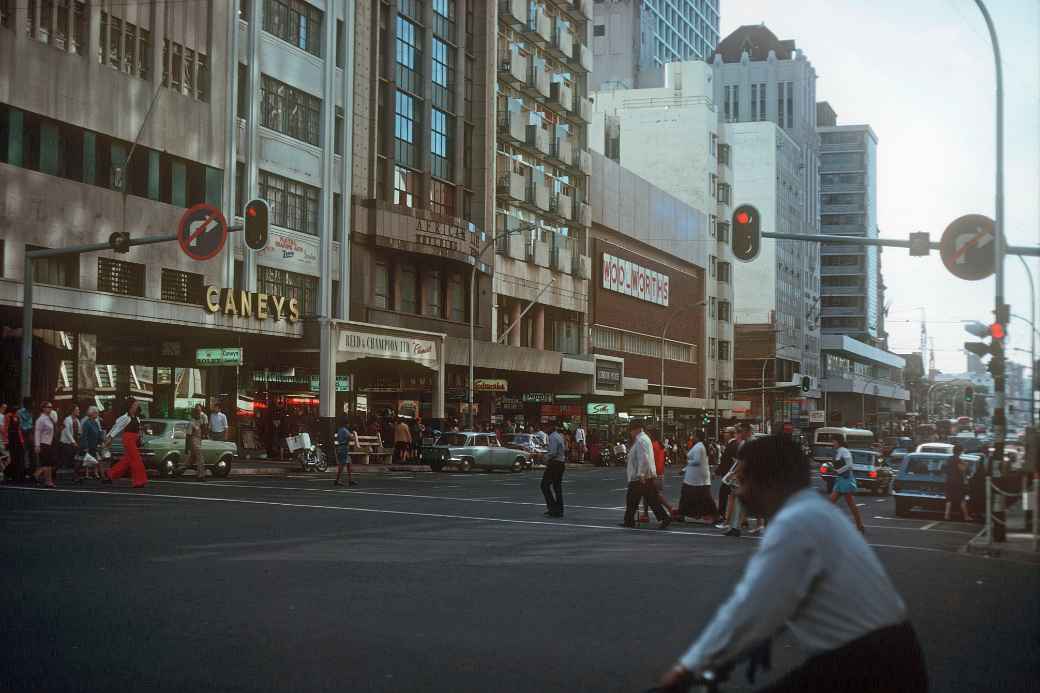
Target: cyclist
column 814, row 575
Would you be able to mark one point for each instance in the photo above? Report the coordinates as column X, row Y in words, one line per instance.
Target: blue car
column 921, row 483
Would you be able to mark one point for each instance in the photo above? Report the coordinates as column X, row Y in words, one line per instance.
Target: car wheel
column 465, row 464
column 518, row 464
column 168, row 467
column 902, row 507
column 223, row 467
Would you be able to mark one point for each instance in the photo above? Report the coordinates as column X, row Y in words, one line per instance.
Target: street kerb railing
column 1030, row 498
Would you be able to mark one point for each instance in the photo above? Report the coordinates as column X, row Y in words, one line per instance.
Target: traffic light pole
column 888, row 242
column 27, row 290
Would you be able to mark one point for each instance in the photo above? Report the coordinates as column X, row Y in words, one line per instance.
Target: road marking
column 929, row 525
column 881, row 500
column 861, row 505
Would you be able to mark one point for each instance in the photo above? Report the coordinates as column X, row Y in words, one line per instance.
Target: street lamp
column 667, row 324
column 473, row 308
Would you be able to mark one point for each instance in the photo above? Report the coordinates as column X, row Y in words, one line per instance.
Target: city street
column 423, row 582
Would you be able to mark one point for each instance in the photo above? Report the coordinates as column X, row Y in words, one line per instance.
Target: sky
column 921, row 75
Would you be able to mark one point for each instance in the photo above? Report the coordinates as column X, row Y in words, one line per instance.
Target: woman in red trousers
column 129, row 426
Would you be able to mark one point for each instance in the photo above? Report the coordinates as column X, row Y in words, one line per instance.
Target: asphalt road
column 423, row 582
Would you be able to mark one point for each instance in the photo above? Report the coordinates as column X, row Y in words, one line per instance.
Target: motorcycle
column 309, row 456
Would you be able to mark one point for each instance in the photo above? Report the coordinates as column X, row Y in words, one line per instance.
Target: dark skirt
column 696, row 501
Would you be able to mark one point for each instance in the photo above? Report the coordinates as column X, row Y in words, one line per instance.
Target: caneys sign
column 249, row 304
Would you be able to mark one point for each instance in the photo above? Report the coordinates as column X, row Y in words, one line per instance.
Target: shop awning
column 502, row 357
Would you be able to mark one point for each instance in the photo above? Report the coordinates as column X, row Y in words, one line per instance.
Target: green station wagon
column 467, row 451
column 165, row 438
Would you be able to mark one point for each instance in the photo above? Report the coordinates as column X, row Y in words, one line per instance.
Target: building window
column 731, row 103
column 712, row 342
column 444, row 19
column 790, row 105
column 711, row 387
column 431, row 293
column 723, row 350
column 181, row 287
column 713, row 263
column 725, row 388
column 443, row 75
column 120, row 277
column 381, row 285
column 456, row 298
column 57, row 271
column 441, row 144
column 406, row 185
column 785, row 104
column 599, row 30
column 613, row 339
column 185, row 71
column 68, row 18
column 406, row 284
column 406, row 120
column 724, row 193
column 712, row 307
column 290, row 111
column 340, row 44
column 724, row 151
column 723, row 232
column 469, row 89
column 407, row 42
column 338, row 144
column 293, row 205
column 724, row 313
column 442, row 198
column 712, row 224
column 289, row 285
column 724, row 272
column 116, row 35
column 294, row 21
column 713, row 183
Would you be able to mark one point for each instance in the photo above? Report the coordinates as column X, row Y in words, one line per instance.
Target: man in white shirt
column 218, row 425
column 579, row 443
column 641, row 472
column 814, row 576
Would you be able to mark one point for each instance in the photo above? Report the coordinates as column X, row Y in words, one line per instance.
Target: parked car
column 936, row 448
column 165, row 439
column 116, row 448
column 870, row 470
column 527, row 443
column 920, row 482
column 895, row 443
column 471, row 450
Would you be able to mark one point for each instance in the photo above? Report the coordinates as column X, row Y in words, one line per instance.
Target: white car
column 936, row 448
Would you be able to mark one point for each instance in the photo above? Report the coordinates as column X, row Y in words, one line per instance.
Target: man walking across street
column 218, row 425
column 729, row 456
column 735, row 511
column 552, row 478
column 579, row 443
column 402, row 441
column 641, row 472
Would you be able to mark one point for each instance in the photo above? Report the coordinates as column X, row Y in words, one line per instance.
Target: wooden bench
column 369, row 447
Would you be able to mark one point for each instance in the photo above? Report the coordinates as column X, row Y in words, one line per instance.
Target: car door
column 177, row 436
column 481, row 453
column 502, row 456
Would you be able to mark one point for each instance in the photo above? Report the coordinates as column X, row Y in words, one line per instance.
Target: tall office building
column 765, row 90
column 633, row 39
column 850, row 287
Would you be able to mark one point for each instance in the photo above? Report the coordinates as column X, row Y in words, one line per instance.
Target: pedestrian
column 5, row 454
column 345, row 440
column 726, row 460
column 90, row 438
column 44, row 445
column 70, row 442
column 552, row 477
column 735, row 510
column 129, row 426
column 845, row 482
column 402, row 440
column 26, row 422
column 641, row 472
column 660, row 458
column 696, row 500
column 197, row 424
column 15, row 469
column 814, row 577
column 579, row 443
column 977, row 490
column 953, row 471
column 218, row 423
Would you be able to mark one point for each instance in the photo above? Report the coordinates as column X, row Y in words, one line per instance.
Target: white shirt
column 579, row 435
column 117, row 428
column 813, row 574
column 842, row 461
column 697, row 472
column 641, row 459
column 217, row 422
column 68, row 428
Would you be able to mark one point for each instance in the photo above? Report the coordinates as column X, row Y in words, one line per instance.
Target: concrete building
column 851, row 291
column 673, row 137
column 633, row 39
column 862, row 385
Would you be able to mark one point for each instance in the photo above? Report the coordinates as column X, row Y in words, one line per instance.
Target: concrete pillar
column 440, row 383
column 514, row 316
column 539, row 328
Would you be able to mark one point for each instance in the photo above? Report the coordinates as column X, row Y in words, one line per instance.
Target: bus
column 855, row 439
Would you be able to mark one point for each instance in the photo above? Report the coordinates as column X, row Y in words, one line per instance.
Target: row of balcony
column 842, row 188
column 842, row 311
column 553, row 35
column 826, row 290
column 842, row 147
column 563, row 150
column 536, row 195
column 840, row 270
column 531, row 75
column 841, row 249
column 857, row 208
column 559, row 253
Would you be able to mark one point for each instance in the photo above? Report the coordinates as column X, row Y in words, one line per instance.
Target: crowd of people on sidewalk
column 36, row 442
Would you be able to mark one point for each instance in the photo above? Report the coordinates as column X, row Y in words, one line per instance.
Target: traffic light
column 119, row 241
column 806, row 383
column 747, row 233
column 969, row 394
column 256, row 224
column 705, row 420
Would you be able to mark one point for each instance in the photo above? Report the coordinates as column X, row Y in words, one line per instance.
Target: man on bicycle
column 814, row 575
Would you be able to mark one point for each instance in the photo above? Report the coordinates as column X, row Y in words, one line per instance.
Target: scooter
column 309, row 456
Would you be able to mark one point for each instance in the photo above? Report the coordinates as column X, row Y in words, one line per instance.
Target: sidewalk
column 259, row 467
column 1019, row 544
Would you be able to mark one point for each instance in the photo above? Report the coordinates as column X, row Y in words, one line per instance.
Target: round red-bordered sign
column 202, row 232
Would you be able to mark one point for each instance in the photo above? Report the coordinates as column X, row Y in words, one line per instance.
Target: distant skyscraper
column 633, row 39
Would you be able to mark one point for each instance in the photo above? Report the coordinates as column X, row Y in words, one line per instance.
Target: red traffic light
column 997, row 331
column 250, row 211
column 742, row 217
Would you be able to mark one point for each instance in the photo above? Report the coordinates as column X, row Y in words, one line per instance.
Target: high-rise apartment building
column 673, row 137
column 850, row 289
column 633, row 39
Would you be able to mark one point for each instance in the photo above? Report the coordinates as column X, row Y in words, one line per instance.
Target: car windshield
column 933, row 465
column 823, row 451
column 969, row 444
column 452, row 439
column 154, row 429
column 517, row 438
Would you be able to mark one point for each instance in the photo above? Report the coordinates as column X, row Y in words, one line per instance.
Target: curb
column 978, row 547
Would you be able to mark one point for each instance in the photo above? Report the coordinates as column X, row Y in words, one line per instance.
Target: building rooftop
column 757, row 40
